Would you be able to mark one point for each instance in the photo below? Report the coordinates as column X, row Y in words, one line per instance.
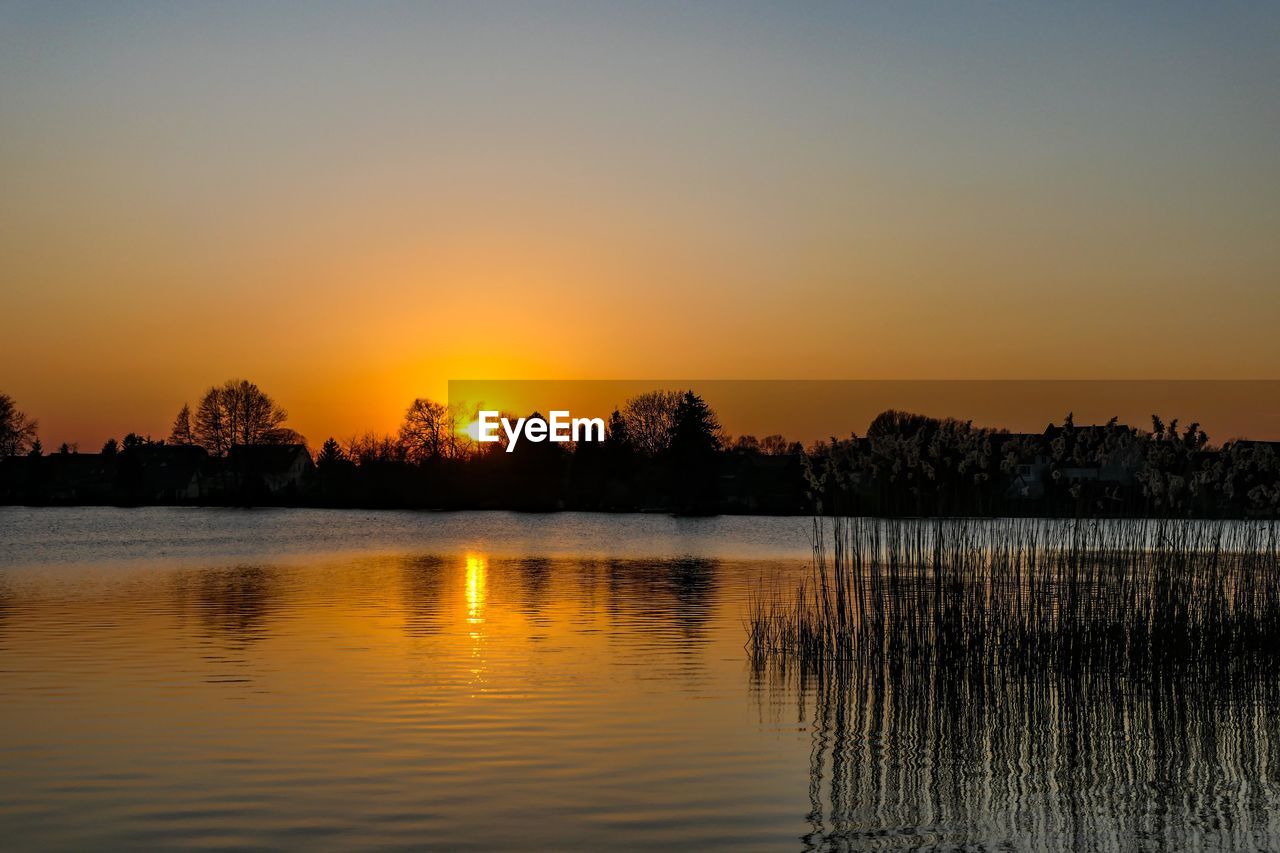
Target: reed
column 1013, row 593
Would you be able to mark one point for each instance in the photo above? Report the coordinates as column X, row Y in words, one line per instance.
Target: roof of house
column 1249, row 442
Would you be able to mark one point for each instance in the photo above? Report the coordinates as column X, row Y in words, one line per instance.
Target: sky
column 351, row 204
column 819, row 409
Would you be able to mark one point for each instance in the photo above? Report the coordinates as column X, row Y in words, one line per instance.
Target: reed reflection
column 925, row 756
column 1059, row 688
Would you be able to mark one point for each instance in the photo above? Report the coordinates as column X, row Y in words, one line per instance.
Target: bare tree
column 239, row 412
column 649, row 418
column 774, row 445
column 17, row 431
column 181, row 431
column 427, row 431
column 371, row 447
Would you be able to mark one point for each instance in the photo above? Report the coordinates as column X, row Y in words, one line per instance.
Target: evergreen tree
column 693, row 456
column 695, row 430
column 330, row 454
column 616, row 435
column 17, row 431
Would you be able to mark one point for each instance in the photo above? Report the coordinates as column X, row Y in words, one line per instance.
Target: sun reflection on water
column 477, row 580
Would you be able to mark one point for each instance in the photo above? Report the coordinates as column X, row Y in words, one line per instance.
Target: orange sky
column 350, row 206
column 808, row 410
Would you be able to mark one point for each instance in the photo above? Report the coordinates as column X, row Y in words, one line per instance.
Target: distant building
column 1024, row 457
column 1105, row 453
column 276, row 469
column 1115, row 456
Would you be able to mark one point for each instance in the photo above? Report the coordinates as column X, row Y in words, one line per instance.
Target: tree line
column 666, row 450
column 913, row 465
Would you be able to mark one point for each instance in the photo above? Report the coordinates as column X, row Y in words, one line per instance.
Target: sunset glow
column 587, row 192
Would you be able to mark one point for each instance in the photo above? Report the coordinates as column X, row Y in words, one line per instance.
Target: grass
column 1018, row 592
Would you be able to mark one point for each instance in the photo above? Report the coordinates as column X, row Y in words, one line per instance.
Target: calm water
column 338, row 680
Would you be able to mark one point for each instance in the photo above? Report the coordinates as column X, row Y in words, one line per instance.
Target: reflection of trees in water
column 691, row 585
column 668, row 593
column 925, row 754
column 535, row 578
column 234, row 602
column 653, row 596
column 422, row 580
column 662, row 599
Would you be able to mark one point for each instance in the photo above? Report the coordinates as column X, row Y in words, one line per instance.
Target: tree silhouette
column 330, row 454
column 694, row 443
column 908, row 464
column 774, row 445
column 426, row 433
column 616, row 436
column 17, row 431
column 371, row 448
column 649, row 419
column 239, row 412
column 897, row 423
column 695, row 430
column 181, row 431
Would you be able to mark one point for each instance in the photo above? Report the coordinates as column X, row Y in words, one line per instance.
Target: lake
column 218, row 678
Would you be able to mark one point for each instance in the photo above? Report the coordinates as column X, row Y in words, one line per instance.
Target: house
column 1024, row 458
column 1106, row 453
column 274, row 469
